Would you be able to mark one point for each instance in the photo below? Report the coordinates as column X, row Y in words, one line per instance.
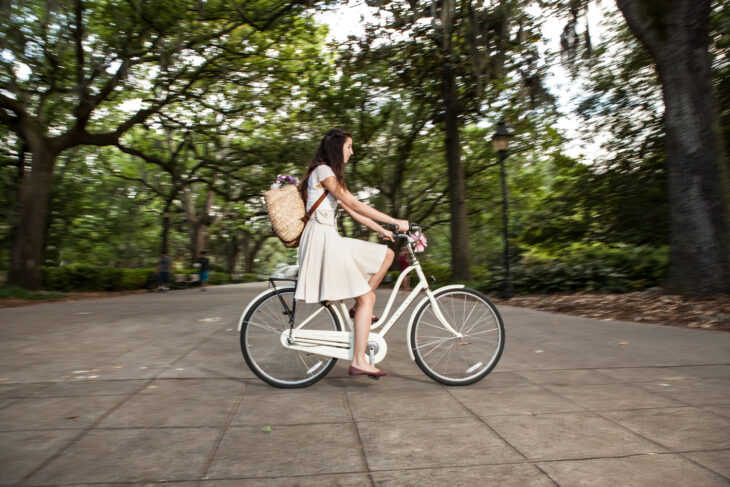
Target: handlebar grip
column 394, row 228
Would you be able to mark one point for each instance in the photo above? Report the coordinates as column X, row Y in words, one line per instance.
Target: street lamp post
column 501, row 139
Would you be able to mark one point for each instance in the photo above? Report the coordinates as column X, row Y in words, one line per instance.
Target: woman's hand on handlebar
column 402, row 225
column 386, row 234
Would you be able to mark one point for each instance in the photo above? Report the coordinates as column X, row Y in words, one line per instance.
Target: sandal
column 352, row 315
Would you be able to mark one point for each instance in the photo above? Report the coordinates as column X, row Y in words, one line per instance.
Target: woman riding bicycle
column 332, row 267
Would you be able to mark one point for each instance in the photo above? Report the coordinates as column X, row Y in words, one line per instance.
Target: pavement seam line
column 534, row 381
column 642, row 386
column 475, row 415
column 704, row 408
column 598, row 413
column 683, row 455
column 84, row 432
column 630, row 384
column 11, row 401
column 219, row 440
column 189, row 351
column 363, row 456
column 549, row 477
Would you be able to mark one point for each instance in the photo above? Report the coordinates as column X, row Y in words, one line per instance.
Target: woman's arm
column 368, row 222
column 347, row 199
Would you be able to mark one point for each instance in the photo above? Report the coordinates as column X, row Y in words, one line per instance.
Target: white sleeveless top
column 321, row 173
column 332, row 267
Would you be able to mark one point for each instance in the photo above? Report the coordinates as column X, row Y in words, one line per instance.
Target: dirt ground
column 645, row 307
column 71, row 296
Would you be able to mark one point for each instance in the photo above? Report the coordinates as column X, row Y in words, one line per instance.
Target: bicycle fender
column 248, row 307
column 415, row 310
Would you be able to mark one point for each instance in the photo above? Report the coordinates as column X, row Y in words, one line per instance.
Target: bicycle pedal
column 374, row 377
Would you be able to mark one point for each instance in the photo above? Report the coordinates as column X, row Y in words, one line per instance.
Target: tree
column 676, row 33
column 67, row 67
column 461, row 57
column 622, row 196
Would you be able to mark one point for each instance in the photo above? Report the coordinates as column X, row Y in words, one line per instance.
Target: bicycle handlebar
column 394, row 228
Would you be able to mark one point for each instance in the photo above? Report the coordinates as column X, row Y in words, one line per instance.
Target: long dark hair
column 329, row 152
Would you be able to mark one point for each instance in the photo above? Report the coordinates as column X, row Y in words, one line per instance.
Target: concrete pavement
column 151, row 388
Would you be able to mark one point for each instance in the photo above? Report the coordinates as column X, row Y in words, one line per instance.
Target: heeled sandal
column 352, row 315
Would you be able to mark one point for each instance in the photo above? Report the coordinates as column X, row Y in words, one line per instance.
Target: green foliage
column 16, row 292
column 250, row 278
column 590, row 268
column 612, row 204
column 441, row 272
column 134, row 279
column 261, row 104
column 220, row 278
column 84, row 277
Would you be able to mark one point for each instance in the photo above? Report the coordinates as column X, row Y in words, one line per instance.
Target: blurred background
column 134, row 128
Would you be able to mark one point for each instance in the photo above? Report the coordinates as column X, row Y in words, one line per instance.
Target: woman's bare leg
column 363, row 316
column 377, row 278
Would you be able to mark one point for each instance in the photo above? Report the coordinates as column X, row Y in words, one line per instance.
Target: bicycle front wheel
column 454, row 360
column 261, row 346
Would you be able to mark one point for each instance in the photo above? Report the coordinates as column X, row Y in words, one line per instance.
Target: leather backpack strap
column 306, row 217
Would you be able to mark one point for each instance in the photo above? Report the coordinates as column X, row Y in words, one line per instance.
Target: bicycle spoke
column 462, row 360
column 447, row 350
column 436, row 342
column 481, row 332
column 475, row 324
column 265, row 327
column 261, row 341
column 468, row 316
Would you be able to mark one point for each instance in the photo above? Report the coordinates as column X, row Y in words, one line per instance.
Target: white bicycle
column 455, row 334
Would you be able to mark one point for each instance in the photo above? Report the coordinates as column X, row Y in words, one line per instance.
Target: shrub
column 219, row 278
column 441, row 272
column 16, row 292
column 594, row 268
column 250, row 278
column 109, row 278
column 83, row 277
column 75, row 277
column 135, row 279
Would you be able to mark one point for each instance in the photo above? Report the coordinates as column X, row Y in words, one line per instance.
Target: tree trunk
column 234, row 249
column 35, row 191
column 457, row 188
column 164, row 246
column 676, row 33
column 198, row 222
column 251, row 253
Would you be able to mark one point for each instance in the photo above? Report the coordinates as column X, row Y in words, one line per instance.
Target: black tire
column 469, row 358
column 262, row 349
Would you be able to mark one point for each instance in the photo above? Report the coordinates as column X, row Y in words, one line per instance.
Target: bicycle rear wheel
column 455, row 360
column 261, row 346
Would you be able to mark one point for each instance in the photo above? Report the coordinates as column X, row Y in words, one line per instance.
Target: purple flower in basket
column 282, row 180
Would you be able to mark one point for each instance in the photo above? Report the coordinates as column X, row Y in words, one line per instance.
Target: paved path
column 146, row 388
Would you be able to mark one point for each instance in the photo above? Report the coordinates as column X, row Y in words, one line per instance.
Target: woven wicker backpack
column 286, row 210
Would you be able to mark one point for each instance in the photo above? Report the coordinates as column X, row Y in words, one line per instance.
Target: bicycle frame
column 339, row 344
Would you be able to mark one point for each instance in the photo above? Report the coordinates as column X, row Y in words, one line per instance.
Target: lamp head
column 501, row 137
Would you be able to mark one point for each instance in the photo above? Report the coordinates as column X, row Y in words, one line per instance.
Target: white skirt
column 332, row 267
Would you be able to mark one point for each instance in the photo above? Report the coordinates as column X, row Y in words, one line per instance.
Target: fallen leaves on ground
column 711, row 312
column 69, row 296
column 649, row 306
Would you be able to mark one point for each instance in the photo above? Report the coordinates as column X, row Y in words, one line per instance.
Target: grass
column 20, row 293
